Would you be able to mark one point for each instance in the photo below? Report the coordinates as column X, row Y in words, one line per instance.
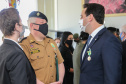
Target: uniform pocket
column 37, row 61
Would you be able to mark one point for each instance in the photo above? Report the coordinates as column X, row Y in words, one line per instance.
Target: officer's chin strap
column 57, row 69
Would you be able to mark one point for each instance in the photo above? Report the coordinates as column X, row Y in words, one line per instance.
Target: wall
column 115, row 21
column 69, row 13
column 47, row 7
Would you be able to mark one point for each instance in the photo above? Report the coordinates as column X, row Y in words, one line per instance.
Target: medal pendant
column 89, row 58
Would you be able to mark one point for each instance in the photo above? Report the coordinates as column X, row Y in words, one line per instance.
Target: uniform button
column 52, row 76
column 50, row 65
column 48, row 56
column 37, row 56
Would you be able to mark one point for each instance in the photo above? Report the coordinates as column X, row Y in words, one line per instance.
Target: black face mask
column 43, row 29
column 69, row 42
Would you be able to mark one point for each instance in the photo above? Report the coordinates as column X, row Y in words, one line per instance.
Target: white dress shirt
column 93, row 34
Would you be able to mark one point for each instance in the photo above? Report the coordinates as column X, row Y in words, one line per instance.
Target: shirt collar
column 31, row 38
column 96, row 31
column 14, row 42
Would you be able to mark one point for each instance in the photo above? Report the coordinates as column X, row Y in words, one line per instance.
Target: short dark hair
column 8, row 18
column 83, row 35
column 113, row 30
column 97, row 10
column 64, row 37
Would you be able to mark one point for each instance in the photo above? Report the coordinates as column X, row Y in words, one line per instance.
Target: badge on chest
column 34, row 50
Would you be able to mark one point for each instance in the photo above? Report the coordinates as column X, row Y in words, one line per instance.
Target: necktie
column 88, row 41
column 87, row 45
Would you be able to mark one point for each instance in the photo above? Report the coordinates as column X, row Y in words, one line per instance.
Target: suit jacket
column 15, row 68
column 124, row 63
column 106, row 60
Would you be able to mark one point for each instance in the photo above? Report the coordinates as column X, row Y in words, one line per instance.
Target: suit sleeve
column 17, row 69
column 112, row 61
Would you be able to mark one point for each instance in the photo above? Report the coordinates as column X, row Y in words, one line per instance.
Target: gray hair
column 123, row 28
column 31, row 20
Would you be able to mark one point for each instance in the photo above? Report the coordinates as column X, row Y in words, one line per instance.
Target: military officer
column 42, row 51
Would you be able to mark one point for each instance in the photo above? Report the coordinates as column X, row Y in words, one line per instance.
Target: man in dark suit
column 124, row 63
column 122, row 31
column 101, row 57
column 15, row 68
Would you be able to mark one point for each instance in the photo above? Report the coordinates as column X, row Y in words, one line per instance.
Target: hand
column 71, row 70
column 56, row 82
column 39, row 82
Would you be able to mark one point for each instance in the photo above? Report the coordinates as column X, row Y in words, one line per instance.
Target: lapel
column 82, row 52
column 97, row 36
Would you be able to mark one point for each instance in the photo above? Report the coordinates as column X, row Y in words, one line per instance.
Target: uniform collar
column 31, row 38
column 44, row 42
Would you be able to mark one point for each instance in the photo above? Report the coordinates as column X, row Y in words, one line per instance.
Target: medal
column 89, row 58
column 89, row 55
column 89, row 52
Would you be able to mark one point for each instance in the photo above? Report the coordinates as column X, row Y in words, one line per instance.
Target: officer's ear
column 31, row 26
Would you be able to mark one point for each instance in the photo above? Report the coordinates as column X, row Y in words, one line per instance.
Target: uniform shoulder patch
column 23, row 39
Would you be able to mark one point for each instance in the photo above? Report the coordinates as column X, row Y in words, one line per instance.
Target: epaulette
column 23, row 39
column 49, row 37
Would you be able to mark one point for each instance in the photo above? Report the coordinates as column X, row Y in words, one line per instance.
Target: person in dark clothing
column 66, row 50
column 115, row 31
column 124, row 63
column 15, row 67
column 123, row 40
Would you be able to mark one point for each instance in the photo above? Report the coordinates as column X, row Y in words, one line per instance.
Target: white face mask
column 22, row 32
column 83, row 28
